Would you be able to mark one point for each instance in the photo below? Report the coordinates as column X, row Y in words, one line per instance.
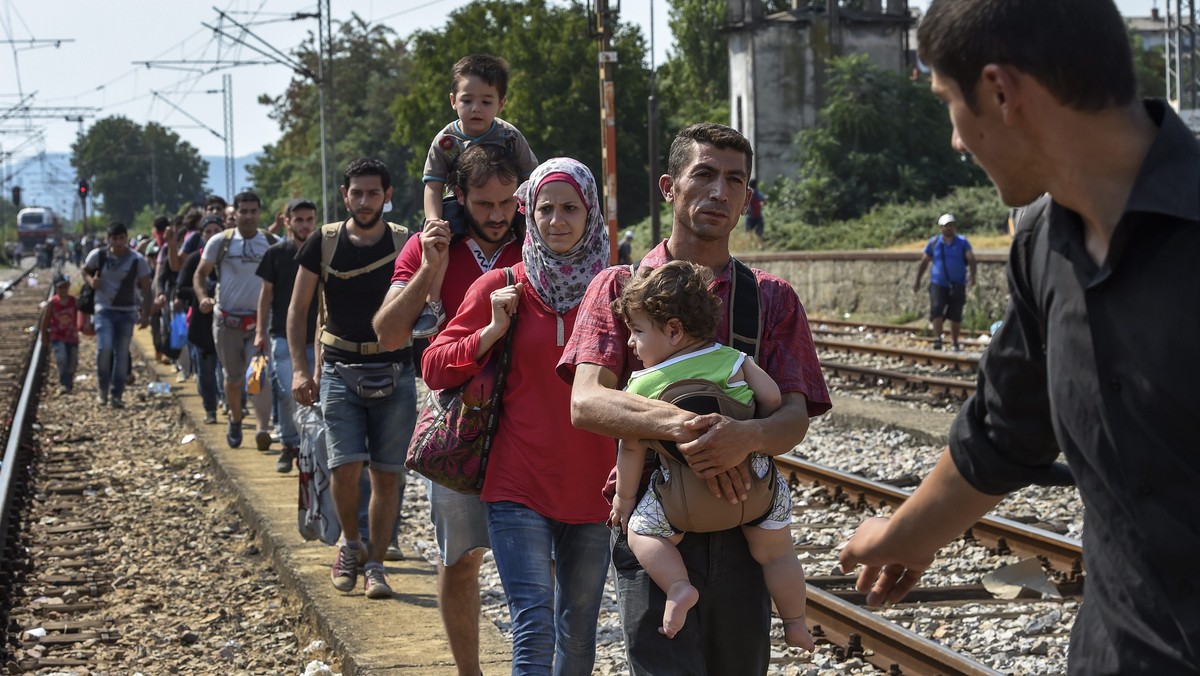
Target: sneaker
column 233, row 434
column 345, row 567
column 957, row 347
column 287, row 457
column 102, row 399
column 262, row 439
column 375, row 583
column 117, row 402
column 394, row 553
column 210, row 417
column 429, row 320
column 937, row 343
column 276, row 435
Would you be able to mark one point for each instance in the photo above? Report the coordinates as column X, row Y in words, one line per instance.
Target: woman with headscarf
column 546, row 515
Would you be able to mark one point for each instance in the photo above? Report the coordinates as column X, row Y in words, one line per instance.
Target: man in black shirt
column 1095, row 353
column 278, row 271
column 368, row 394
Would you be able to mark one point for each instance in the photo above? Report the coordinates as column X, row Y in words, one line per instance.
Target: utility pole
column 652, row 146
column 227, row 97
column 605, row 20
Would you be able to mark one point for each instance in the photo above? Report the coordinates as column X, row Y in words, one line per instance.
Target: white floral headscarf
column 561, row 279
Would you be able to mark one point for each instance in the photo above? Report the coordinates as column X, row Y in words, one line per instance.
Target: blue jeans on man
column 281, row 366
column 554, row 609
column 114, row 332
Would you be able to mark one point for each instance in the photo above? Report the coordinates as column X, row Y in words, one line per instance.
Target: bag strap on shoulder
column 745, row 327
column 227, row 239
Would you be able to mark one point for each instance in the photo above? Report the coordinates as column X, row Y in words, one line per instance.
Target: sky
column 98, row 65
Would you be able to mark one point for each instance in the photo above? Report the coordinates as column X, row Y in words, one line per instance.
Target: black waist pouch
column 370, row 381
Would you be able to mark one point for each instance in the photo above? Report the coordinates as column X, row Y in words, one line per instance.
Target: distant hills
column 50, row 180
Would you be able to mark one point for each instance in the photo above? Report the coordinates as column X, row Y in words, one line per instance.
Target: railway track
column 54, row 581
column 914, row 382
column 835, row 611
column 884, row 328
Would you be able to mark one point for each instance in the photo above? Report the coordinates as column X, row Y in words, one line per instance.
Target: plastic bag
column 316, row 517
column 179, row 327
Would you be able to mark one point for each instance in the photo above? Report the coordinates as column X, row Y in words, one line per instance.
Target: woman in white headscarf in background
column 546, row 515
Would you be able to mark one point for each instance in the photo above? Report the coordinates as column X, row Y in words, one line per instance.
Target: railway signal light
column 83, row 190
column 16, row 196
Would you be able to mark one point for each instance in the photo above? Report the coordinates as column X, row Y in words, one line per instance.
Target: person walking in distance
column 484, row 183
column 278, row 272
column 754, row 213
column 728, row 630
column 235, row 254
column 1095, row 357
column 114, row 271
column 367, row 392
column 59, row 322
column 953, row 271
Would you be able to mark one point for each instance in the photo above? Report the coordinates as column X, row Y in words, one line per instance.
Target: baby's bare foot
column 680, row 599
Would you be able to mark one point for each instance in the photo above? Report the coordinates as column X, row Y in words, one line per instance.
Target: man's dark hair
column 117, row 228
column 191, row 218
column 479, row 163
column 709, row 133
column 246, row 196
column 675, row 290
column 366, row 166
column 161, row 223
column 491, row 69
column 1077, row 49
column 300, row 203
column 214, row 199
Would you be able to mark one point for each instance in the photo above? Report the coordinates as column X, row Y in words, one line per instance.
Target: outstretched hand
column 889, row 571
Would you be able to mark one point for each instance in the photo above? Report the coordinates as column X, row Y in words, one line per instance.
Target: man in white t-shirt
column 235, row 255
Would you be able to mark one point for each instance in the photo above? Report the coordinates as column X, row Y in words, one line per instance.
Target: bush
column 977, row 209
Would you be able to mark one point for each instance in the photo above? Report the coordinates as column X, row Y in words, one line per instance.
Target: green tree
column 553, row 91
column 693, row 84
column 369, row 64
column 880, row 138
column 1150, row 66
column 133, row 166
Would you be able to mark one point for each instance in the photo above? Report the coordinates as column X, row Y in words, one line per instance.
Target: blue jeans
column 207, row 370
column 368, row 430
column 114, row 332
column 66, row 357
column 281, row 367
column 554, row 609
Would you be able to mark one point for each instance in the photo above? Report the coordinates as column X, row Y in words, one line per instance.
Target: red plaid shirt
column 785, row 350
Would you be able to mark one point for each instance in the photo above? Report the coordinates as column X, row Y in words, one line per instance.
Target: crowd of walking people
column 513, row 249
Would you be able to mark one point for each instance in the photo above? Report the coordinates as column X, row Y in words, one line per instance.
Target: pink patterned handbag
column 456, row 427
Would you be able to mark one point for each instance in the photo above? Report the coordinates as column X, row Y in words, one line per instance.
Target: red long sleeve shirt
column 538, row 458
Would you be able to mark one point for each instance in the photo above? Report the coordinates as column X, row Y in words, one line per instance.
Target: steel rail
column 886, row 328
column 1064, row 554
column 26, row 408
column 927, row 357
column 892, row 648
column 912, row 381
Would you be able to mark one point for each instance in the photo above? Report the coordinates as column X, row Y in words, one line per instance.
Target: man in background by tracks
column 953, row 271
column 1096, row 353
column 114, row 272
column 484, row 181
column 727, row 632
